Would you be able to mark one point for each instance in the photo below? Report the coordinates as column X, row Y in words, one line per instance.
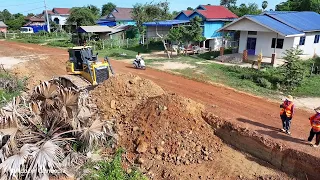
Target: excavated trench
column 295, row 163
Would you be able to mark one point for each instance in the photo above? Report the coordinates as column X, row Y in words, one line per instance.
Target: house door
column 251, row 46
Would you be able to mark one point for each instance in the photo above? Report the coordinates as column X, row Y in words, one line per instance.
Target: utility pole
column 47, row 17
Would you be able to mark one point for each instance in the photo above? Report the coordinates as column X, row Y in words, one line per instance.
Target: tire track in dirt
column 249, row 111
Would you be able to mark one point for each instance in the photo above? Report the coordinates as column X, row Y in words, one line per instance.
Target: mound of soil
column 168, row 128
column 120, row 95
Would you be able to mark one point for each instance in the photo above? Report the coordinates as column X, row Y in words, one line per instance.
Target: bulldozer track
column 75, row 81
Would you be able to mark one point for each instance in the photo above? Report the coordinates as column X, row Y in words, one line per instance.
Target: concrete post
column 273, row 58
column 245, row 56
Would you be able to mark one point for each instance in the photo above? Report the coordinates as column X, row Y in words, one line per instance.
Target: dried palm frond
column 93, row 135
column 46, row 92
column 13, row 166
column 45, row 160
column 69, row 101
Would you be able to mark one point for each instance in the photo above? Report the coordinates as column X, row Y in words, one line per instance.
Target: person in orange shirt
column 315, row 130
column 286, row 114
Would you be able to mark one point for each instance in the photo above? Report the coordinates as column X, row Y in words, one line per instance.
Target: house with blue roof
column 274, row 32
column 214, row 18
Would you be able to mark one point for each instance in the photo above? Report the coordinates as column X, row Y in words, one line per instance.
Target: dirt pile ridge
column 169, row 128
column 166, row 135
column 120, row 95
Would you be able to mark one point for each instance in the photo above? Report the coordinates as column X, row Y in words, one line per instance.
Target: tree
column 299, row 5
column 293, row 69
column 81, row 16
column 175, row 13
column 264, row 5
column 190, row 8
column 6, row 15
column 16, row 21
column 228, row 3
column 142, row 13
column 107, row 8
column 30, row 15
column 176, row 34
column 243, row 9
column 186, row 34
column 95, row 10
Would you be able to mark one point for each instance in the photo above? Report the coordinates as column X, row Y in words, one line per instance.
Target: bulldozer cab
column 81, row 56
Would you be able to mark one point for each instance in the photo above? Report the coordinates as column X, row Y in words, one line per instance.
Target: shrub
column 110, row 170
column 264, row 83
column 63, row 43
column 294, row 71
column 214, row 54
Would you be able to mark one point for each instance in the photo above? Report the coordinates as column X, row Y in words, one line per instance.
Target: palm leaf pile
column 38, row 133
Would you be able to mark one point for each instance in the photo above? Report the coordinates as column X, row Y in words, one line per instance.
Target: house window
column 252, row 33
column 302, row 40
column 316, row 39
column 279, row 43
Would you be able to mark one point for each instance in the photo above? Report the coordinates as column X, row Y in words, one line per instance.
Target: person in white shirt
column 138, row 56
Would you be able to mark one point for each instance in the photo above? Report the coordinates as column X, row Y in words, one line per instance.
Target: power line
column 21, row 4
column 32, row 9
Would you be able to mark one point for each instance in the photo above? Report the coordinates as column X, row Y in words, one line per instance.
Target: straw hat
column 289, row 98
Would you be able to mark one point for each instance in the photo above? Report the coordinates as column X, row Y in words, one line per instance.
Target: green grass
column 104, row 170
column 309, row 88
column 131, row 52
column 10, row 87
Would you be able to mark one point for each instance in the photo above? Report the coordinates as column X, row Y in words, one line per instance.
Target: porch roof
column 167, row 23
column 267, row 22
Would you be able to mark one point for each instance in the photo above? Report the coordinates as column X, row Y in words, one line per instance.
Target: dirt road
column 251, row 112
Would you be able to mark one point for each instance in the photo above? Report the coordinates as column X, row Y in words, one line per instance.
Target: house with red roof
column 213, row 18
column 118, row 16
column 59, row 15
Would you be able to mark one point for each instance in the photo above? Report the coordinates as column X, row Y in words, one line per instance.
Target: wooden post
column 102, row 44
column 221, row 51
column 245, row 56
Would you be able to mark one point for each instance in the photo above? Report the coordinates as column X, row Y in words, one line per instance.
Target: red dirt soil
column 166, row 136
column 249, row 111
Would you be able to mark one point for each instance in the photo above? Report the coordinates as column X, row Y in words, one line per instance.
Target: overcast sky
column 36, row 6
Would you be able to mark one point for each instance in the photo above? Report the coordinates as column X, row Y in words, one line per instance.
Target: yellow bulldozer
column 84, row 69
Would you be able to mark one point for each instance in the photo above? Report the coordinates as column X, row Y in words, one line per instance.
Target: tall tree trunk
column 164, row 45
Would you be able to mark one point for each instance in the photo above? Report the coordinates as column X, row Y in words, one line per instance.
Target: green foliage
column 81, row 16
column 294, row 71
column 142, row 13
column 61, row 43
column 264, row 5
column 213, row 54
column 176, row 34
column 107, row 8
column 264, row 83
column 10, row 86
column 309, row 87
column 190, row 8
column 228, row 3
column 299, row 5
column 132, row 33
column 186, row 34
column 112, row 170
column 95, row 10
column 243, row 9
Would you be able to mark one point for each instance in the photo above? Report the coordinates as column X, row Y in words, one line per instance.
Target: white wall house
column 275, row 32
column 59, row 15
